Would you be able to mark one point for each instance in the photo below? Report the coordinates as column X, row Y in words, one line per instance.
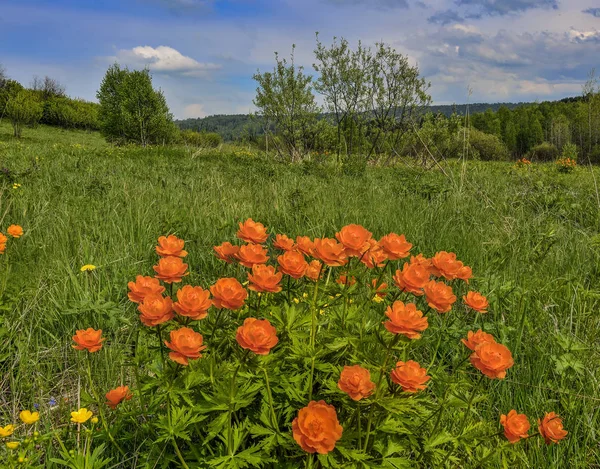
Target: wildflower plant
column 333, row 352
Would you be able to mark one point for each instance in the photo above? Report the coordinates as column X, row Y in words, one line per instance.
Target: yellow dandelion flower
column 12, row 444
column 29, row 417
column 81, row 416
column 88, row 268
column 6, row 431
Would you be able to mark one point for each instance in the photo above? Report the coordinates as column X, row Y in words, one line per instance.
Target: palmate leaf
column 177, row 425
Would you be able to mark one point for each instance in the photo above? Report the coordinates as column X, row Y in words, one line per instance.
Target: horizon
column 202, row 53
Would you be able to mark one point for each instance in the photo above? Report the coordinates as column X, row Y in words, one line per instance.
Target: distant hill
column 235, row 126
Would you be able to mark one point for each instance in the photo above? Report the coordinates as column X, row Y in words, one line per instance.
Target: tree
column 23, row 109
column 131, row 110
column 284, row 98
column 3, row 76
column 48, row 87
column 8, row 92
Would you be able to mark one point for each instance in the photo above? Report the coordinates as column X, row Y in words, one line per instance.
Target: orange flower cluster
column 405, row 319
column 516, row 426
column 489, row 357
column 14, row 231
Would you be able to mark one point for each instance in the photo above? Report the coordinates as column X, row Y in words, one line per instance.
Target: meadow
column 531, row 236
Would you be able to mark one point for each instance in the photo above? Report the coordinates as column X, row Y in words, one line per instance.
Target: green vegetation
column 531, row 235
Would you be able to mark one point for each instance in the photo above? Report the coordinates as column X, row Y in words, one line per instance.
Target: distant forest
column 234, row 127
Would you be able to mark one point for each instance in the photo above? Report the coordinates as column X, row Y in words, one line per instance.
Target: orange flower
column 292, row 263
column 492, row 359
column 330, row 251
column 356, row 382
column 396, row 247
column 405, row 319
column 2, row 248
column 412, row 279
column 344, row 280
column 476, row 301
column 446, row 265
column 465, row 273
column 316, row 429
column 186, row 345
column 264, row 279
column 115, row 396
column 257, row 335
column 88, row 339
column 155, row 310
column 284, row 243
column 228, row 293
column 142, row 287
column 380, row 290
column 170, row 246
column 515, row 426
column 192, row 302
column 374, row 256
column 355, row 239
column 3, row 238
column 410, row 376
column 422, row 260
column 226, row 252
column 252, row 254
column 551, row 428
column 170, row 269
column 474, row 339
column 252, row 232
column 314, row 270
column 15, row 231
column 305, row 245
column 439, row 296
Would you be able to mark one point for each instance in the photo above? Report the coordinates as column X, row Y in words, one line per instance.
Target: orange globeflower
column 344, row 280
column 115, row 396
column 88, row 339
column 192, row 302
column 15, row 231
column 155, row 310
column 170, row 246
column 474, row 339
column 142, row 287
column 476, row 301
column 356, row 382
column 446, row 265
column 422, row 260
column 374, row 256
column 252, row 232
column 186, row 345
column 465, row 273
column 292, row 263
column 226, row 252
column 257, row 335
column 412, row 279
column 314, row 270
column 305, row 245
column 515, row 426
column 252, row 254
column 284, row 243
column 492, row 359
column 2, row 248
column 551, row 428
column 380, row 290
column 316, row 429
column 228, row 293
column 395, row 246
column 264, row 279
column 170, row 269
column 330, row 251
column 405, row 319
column 3, row 239
column 439, row 296
column 354, row 238
column 410, row 376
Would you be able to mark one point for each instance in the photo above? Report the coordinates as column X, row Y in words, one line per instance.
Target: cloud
column 374, row 4
column 164, row 59
column 504, row 7
column 194, row 110
column 593, row 11
column 445, row 17
column 180, row 6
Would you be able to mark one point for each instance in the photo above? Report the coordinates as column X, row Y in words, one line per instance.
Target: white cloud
column 164, row 59
column 194, row 110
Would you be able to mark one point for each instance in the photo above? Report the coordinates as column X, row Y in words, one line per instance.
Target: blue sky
column 203, row 53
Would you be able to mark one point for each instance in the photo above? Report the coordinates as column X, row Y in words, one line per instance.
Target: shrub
column 487, row 147
column 23, row 109
column 337, row 365
column 569, row 151
column 201, row 139
column 543, row 152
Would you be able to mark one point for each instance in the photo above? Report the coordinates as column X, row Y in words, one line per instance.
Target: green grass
column 531, row 237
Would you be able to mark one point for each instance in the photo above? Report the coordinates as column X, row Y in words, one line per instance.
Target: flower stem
column 270, row 397
column 231, row 396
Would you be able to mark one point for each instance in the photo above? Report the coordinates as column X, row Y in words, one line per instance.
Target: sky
column 203, row 53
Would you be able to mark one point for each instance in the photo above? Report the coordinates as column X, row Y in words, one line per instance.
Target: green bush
column 23, row 109
column 543, row 152
column 569, row 151
column 201, row 139
column 70, row 113
column 487, row 147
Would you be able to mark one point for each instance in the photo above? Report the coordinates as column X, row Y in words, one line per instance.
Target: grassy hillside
column 531, row 237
